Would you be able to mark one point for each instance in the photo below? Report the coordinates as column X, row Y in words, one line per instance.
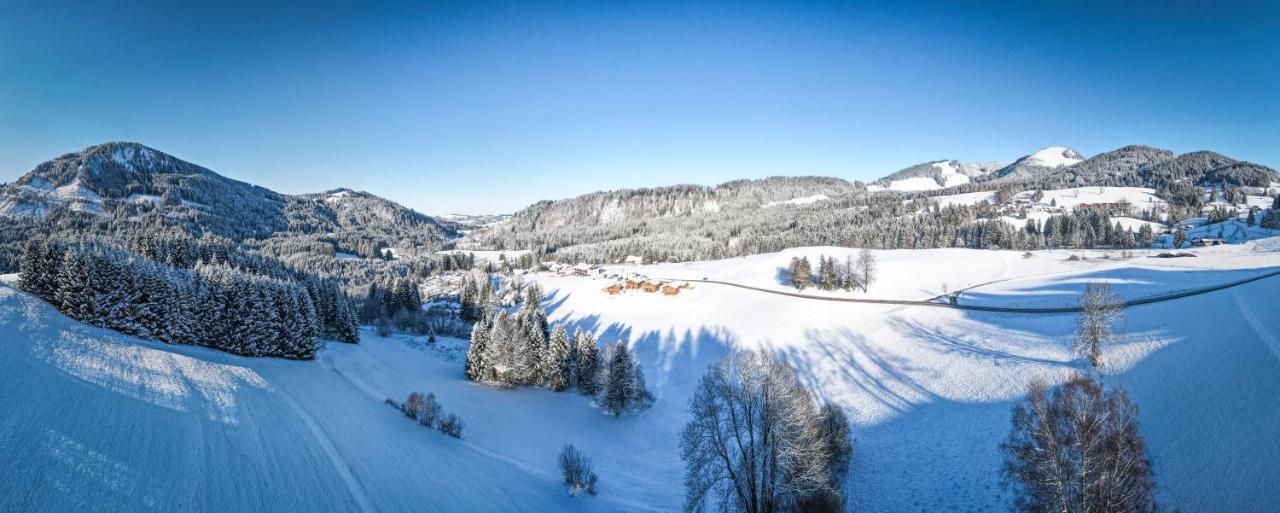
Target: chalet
column 1207, row 242
column 633, row 284
column 614, row 289
column 649, row 286
column 668, row 290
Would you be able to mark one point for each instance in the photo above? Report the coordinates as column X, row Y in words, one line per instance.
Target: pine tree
column 588, row 369
column 1145, row 235
column 1179, row 237
column 476, row 352
column 555, row 364
column 828, row 272
column 500, row 349
column 619, row 393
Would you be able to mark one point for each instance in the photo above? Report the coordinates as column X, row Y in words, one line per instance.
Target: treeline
column 833, row 274
column 213, row 304
column 880, row 221
column 519, row 350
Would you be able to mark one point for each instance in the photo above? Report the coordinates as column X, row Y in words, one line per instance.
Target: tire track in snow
column 1252, row 318
column 340, row 466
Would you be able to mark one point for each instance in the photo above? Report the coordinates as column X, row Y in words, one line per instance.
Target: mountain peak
column 1054, row 156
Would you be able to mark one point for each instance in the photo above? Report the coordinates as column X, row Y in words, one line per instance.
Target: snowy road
column 1159, row 298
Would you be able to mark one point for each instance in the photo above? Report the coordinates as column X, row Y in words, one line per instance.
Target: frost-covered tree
column 1100, row 313
column 1077, row 448
column 755, row 442
column 866, row 268
column 587, row 370
column 500, row 351
column 555, row 363
column 477, row 366
column 1145, row 235
column 624, row 390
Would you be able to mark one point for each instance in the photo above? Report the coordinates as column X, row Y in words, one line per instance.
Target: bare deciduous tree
column 577, row 470
column 755, row 442
column 1100, row 313
column 866, row 268
column 1076, row 449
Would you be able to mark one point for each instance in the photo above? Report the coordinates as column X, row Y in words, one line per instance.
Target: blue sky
column 486, row 107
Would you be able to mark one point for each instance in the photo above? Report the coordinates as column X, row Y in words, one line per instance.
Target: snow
column 1138, row 197
column 80, row 197
column 951, row 176
column 965, row 199
column 1262, row 202
column 805, row 200
column 1128, row 223
column 346, row 256
column 919, row 183
column 143, row 198
column 1053, row 156
column 112, row 423
column 96, row 420
column 491, row 255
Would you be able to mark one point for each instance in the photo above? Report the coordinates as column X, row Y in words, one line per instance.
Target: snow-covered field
column 1138, row 197
column 96, row 420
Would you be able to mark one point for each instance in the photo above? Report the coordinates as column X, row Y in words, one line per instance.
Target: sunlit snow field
column 96, row 420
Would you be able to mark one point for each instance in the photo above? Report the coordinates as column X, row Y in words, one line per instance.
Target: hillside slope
column 99, row 421
column 121, row 186
column 116, row 424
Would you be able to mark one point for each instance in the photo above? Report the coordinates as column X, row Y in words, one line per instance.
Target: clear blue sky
column 486, row 107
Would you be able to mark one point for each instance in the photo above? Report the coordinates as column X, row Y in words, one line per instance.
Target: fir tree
column 587, row 371
column 555, row 364
column 476, row 352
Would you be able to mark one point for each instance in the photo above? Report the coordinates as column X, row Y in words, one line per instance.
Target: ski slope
column 96, row 420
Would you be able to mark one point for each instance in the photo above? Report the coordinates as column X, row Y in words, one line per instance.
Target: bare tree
column 1100, row 313
column 755, row 443
column 1076, row 449
column 577, row 470
column 866, row 268
column 413, row 405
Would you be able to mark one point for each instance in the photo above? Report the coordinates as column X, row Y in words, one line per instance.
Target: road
column 998, row 309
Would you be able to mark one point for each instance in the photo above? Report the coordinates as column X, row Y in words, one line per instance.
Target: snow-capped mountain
column 1040, row 162
column 935, row 175
column 115, row 185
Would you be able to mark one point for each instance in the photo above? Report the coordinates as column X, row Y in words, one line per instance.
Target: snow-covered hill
column 934, row 175
column 1041, row 161
column 123, row 184
column 95, row 420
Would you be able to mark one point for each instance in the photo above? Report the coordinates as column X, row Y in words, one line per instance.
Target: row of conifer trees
column 521, row 349
column 211, row 304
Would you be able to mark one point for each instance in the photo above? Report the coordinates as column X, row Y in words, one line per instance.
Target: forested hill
column 1144, row 166
column 688, row 222
column 117, row 188
column 601, row 208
